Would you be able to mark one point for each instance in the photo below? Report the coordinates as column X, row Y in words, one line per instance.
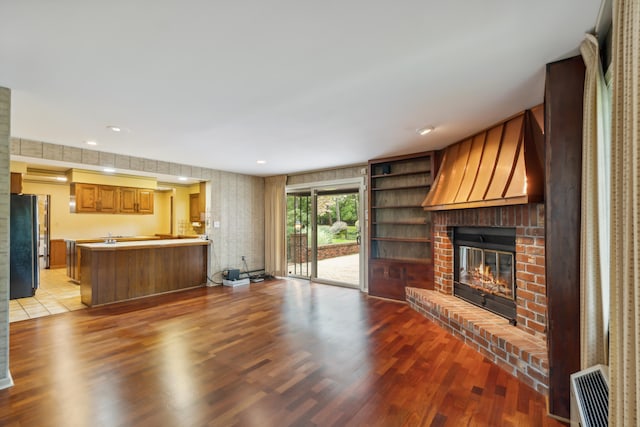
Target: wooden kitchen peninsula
column 113, row 272
column 73, row 256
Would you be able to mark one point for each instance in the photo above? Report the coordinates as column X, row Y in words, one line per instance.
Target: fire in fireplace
column 484, row 268
column 487, row 270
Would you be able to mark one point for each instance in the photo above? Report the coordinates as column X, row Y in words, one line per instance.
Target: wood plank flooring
column 277, row 353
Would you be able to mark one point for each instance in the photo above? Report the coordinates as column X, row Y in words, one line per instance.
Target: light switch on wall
column 216, row 224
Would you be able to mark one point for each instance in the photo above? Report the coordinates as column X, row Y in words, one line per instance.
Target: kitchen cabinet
column 128, row 200
column 118, row 272
column 145, row 201
column 400, row 235
column 57, row 253
column 16, row 183
column 136, row 200
column 73, row 255
column 86, row 197
column 194, row 207
column 107, row 199
column 94, row 198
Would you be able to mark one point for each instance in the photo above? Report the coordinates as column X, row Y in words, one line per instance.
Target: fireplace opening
column 484, row 268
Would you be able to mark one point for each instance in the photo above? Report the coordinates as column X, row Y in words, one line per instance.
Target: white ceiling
column 303, row 85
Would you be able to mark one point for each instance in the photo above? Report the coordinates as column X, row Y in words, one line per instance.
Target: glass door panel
column 338, row 236
column 299, row 242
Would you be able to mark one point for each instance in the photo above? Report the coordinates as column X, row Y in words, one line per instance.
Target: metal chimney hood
column 500, row 166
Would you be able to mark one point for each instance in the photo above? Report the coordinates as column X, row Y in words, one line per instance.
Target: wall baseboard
column 6, row 382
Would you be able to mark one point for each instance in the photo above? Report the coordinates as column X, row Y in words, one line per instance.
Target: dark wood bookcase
column 400, row 232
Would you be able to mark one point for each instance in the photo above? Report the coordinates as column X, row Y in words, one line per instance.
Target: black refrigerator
column 24, row 274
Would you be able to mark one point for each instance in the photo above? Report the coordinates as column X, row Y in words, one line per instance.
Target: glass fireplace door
column 487, row 270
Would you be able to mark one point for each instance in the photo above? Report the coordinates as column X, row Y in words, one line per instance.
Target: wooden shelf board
column 397, row 207
column 397, row 239
column 406, row 187
column 415, row 260
column 420, row 172
column 399, row 223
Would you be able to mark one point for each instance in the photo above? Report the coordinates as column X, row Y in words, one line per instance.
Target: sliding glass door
column 337, row 235
column 324, row 234
column 299, row 228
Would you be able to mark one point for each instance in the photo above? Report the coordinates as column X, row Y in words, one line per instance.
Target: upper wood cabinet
column 145, row 201
column 16, row 183
column 107, row 199
column 94, row 198
column 194, row 207
column 86, row 198
column 128, row 200
column 136, row 200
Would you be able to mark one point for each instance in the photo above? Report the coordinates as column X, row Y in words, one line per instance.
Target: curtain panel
column 275, row 217
column 595, row 223
column 624, row 360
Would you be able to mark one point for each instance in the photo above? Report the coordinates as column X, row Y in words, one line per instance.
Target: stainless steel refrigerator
column 24, row 274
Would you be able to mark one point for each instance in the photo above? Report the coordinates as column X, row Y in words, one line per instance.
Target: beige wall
column 354, row 171
column 67, row 225
column 182, row 225
column 5, row 121
column 162, row 210
column 237, row 203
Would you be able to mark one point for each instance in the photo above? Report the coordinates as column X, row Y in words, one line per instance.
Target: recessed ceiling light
column 109, row 170
column 424, row 131
column 114, row 128
column 182, row 178
column 261, row 162
column 91, row 143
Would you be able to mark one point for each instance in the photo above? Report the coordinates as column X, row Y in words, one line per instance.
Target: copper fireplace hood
column 498, row 166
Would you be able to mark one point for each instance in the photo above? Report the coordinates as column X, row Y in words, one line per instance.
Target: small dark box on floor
column 233, row 274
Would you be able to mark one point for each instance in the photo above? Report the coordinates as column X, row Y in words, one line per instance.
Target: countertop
column 144, row 244
column 118, row 238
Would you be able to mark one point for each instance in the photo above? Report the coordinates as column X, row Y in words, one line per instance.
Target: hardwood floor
column 276, row 353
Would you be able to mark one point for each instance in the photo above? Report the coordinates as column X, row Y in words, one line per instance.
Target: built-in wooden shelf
column 425, row 261
column 406, row 187
column 418, row 172
column 399, row 222
column 402, row 239
column 400, row 236
column 397, row 207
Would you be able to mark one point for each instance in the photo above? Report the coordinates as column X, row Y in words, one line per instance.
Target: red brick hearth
column 521, row 350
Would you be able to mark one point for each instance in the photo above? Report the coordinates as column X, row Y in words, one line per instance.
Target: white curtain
column 595, row 221
column 624, row 358
column 275, row 218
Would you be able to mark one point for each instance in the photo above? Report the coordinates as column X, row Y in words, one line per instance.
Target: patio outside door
column 299, row 228
column 337, row 253
column 323, row 235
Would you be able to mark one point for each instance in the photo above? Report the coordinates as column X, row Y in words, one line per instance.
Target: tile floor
column 56, row 294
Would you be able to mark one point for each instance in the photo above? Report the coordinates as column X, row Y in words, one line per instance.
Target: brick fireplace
column 521, row 350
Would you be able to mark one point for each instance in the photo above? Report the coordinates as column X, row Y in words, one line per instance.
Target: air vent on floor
column 590, row 397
